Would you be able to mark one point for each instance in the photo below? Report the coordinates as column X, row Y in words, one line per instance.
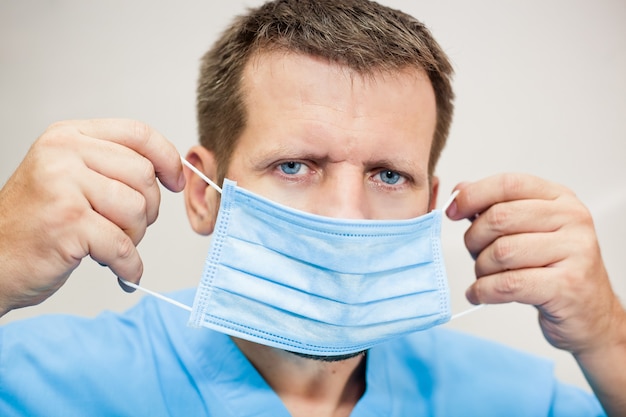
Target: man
column 339, row 109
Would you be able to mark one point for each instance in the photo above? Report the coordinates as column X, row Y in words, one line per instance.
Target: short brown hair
column 359, row 34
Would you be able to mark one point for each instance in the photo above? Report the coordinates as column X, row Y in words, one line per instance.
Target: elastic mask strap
column 474, row 308
column 450, row 200
column 201, row 175
column 466, row 312
column 156, row 294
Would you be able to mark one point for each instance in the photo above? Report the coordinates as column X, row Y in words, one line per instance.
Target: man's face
column 325, row 140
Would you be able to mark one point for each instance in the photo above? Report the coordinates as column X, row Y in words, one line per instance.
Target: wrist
column 608, row 335
column 604, row 365
column 4, row 305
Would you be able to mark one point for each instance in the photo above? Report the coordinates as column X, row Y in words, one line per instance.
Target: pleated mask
column 318, row 285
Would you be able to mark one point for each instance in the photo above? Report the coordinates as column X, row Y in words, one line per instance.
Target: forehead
column 290, row 96
column 292, row 73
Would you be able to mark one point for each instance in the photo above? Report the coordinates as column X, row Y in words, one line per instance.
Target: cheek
column 399, row 207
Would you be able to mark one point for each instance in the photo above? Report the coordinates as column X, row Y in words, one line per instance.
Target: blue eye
column 389, row 177
column 291, row 167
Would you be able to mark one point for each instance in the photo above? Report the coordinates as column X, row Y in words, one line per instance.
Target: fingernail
column 451, row 211
column 125, row 287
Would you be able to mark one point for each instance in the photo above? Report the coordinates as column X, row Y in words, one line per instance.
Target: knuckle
column 580, row 220
column 140, row 204
column 502, row 251
column 587, row 244
column 125, row 248
column 148, row 174
column 509, row 284
column 60, row 125
column 152, row 213
column 127, row 263
column 136, row 207
column 498, row 217
column 582, row 215
column 564, row 190
column 55, row 135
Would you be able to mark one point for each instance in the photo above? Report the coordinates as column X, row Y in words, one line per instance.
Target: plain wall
column 540, row 87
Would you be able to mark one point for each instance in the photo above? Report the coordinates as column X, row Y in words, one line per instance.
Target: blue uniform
column 147, row 362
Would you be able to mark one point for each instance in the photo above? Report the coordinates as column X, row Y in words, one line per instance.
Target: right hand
column 84, row 188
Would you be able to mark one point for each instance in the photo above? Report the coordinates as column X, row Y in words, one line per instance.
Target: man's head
column 337, row 108
column 362, row 36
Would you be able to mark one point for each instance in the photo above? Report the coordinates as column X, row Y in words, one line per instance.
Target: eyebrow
column 407, row 166
column 265, row 157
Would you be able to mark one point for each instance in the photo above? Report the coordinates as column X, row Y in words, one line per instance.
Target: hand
column 84, row 188
column 534, row 242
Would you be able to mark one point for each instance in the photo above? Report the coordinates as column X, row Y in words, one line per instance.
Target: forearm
column 605, row 367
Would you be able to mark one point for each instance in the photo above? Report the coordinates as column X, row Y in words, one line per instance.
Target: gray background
column 541, row 89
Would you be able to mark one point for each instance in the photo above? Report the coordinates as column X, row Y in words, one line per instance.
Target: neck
column 308, row 386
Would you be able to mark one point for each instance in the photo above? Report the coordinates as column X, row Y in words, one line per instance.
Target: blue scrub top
column 147, row 362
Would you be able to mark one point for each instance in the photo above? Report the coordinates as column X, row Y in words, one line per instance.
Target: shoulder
column 129, row 334
column 449, row 351
column 78, row 364
column 474, row 376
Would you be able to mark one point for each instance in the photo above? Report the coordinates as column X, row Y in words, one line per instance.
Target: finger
column 127, row 167
column 142, row 139
column 477, row 197
column 108, row 245
column 515, row 217
column 521, row 251
column 533, row 286
column 120, row 204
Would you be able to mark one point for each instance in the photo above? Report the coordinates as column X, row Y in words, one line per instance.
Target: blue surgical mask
column 317, row 285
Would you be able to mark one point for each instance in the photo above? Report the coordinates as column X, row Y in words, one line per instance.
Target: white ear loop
column 466, row 312
column 450, row 200
column 156, row 294
column 219, row 189
column 201, row 174
column 479, row 306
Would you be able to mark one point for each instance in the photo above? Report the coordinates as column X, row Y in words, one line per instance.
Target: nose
column 343, row 197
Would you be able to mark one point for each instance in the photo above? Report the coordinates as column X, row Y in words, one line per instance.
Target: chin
column 334, row 358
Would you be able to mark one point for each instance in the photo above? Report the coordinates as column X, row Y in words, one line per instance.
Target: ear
column 201, row 200
column 434, row 192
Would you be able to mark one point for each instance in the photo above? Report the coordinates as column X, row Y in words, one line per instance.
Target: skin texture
column 57, row 207
column 322, row 139
column 534, row 243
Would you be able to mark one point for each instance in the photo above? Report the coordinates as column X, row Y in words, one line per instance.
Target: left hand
column 534, row 242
